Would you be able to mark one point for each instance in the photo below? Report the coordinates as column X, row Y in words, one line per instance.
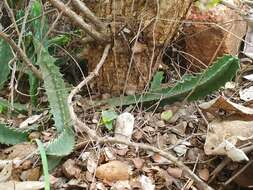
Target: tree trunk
column 139, row 29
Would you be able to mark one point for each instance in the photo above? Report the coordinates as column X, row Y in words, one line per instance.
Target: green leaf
column 39, row 25
column 5, row 57
column 191, row 87
column 63, row 144
column 166, row 115
column 157, row 80
column 5, row 105
column 57, row 97
column 55, row 90
column 44, row 163
column 60, row 40
column 108, row 117
column 11, row 136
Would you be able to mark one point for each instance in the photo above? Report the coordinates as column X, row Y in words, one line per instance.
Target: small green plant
column 108, row 117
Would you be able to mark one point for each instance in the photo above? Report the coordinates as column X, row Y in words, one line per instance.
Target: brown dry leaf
column 32, row 174
column 159, row 159
column 27, row 185
column 138, row 162
column 113, row 171
column 236, row 111
column 175, row 172
column 70, row 169
column 168, row 178
column 204, row 174
column 223, row 138
column 20, row 151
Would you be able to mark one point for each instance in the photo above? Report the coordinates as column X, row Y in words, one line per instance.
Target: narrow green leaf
column 5, row 57
column 156, row 82
column 17, row 107
column 11, row 136
column 63, row 144
column 55, row 90
column 44, row 163
column 216, row 76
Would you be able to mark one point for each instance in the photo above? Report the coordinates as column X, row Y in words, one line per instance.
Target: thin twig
column 21, row 55
column 92, row 134
column 87, row 13
column 100, row 37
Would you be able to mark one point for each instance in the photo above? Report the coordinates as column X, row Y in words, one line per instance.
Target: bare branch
column 92, row 134
column 89, row 14
column 100, row 37
column 21, row 55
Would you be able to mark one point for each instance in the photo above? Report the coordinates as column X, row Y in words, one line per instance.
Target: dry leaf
column 27, row 185
column 160, row 159
column 113, row 171
column 6, row 172
column 223, row 138
column 175, row 172
column 234, row 110
column 70, row 169
column 32, row 174
column 246, row 94
column 138, row 162
column 20, row 151
column 204, row 174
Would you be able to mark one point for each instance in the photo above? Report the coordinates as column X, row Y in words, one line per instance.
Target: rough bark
column 140, row 29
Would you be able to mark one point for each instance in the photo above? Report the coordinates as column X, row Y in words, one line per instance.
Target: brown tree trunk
column 140, row 29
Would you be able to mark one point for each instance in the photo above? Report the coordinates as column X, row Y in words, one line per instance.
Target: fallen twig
column 92, row 134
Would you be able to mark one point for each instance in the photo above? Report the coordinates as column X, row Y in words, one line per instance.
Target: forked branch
column 89, row 29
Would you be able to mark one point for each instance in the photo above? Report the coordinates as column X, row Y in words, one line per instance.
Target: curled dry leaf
column 70, row 169
column 138, row 162
column 113, row 171
column 236, row 111
column 246, row 94
column 124, row 127
column 223, row 138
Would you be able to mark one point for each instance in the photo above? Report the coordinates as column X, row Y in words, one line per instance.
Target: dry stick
column 89, row 14
column 236, row 174
column 92, row 134
column 100, row 37
column 225, row 162
column 21, row 55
